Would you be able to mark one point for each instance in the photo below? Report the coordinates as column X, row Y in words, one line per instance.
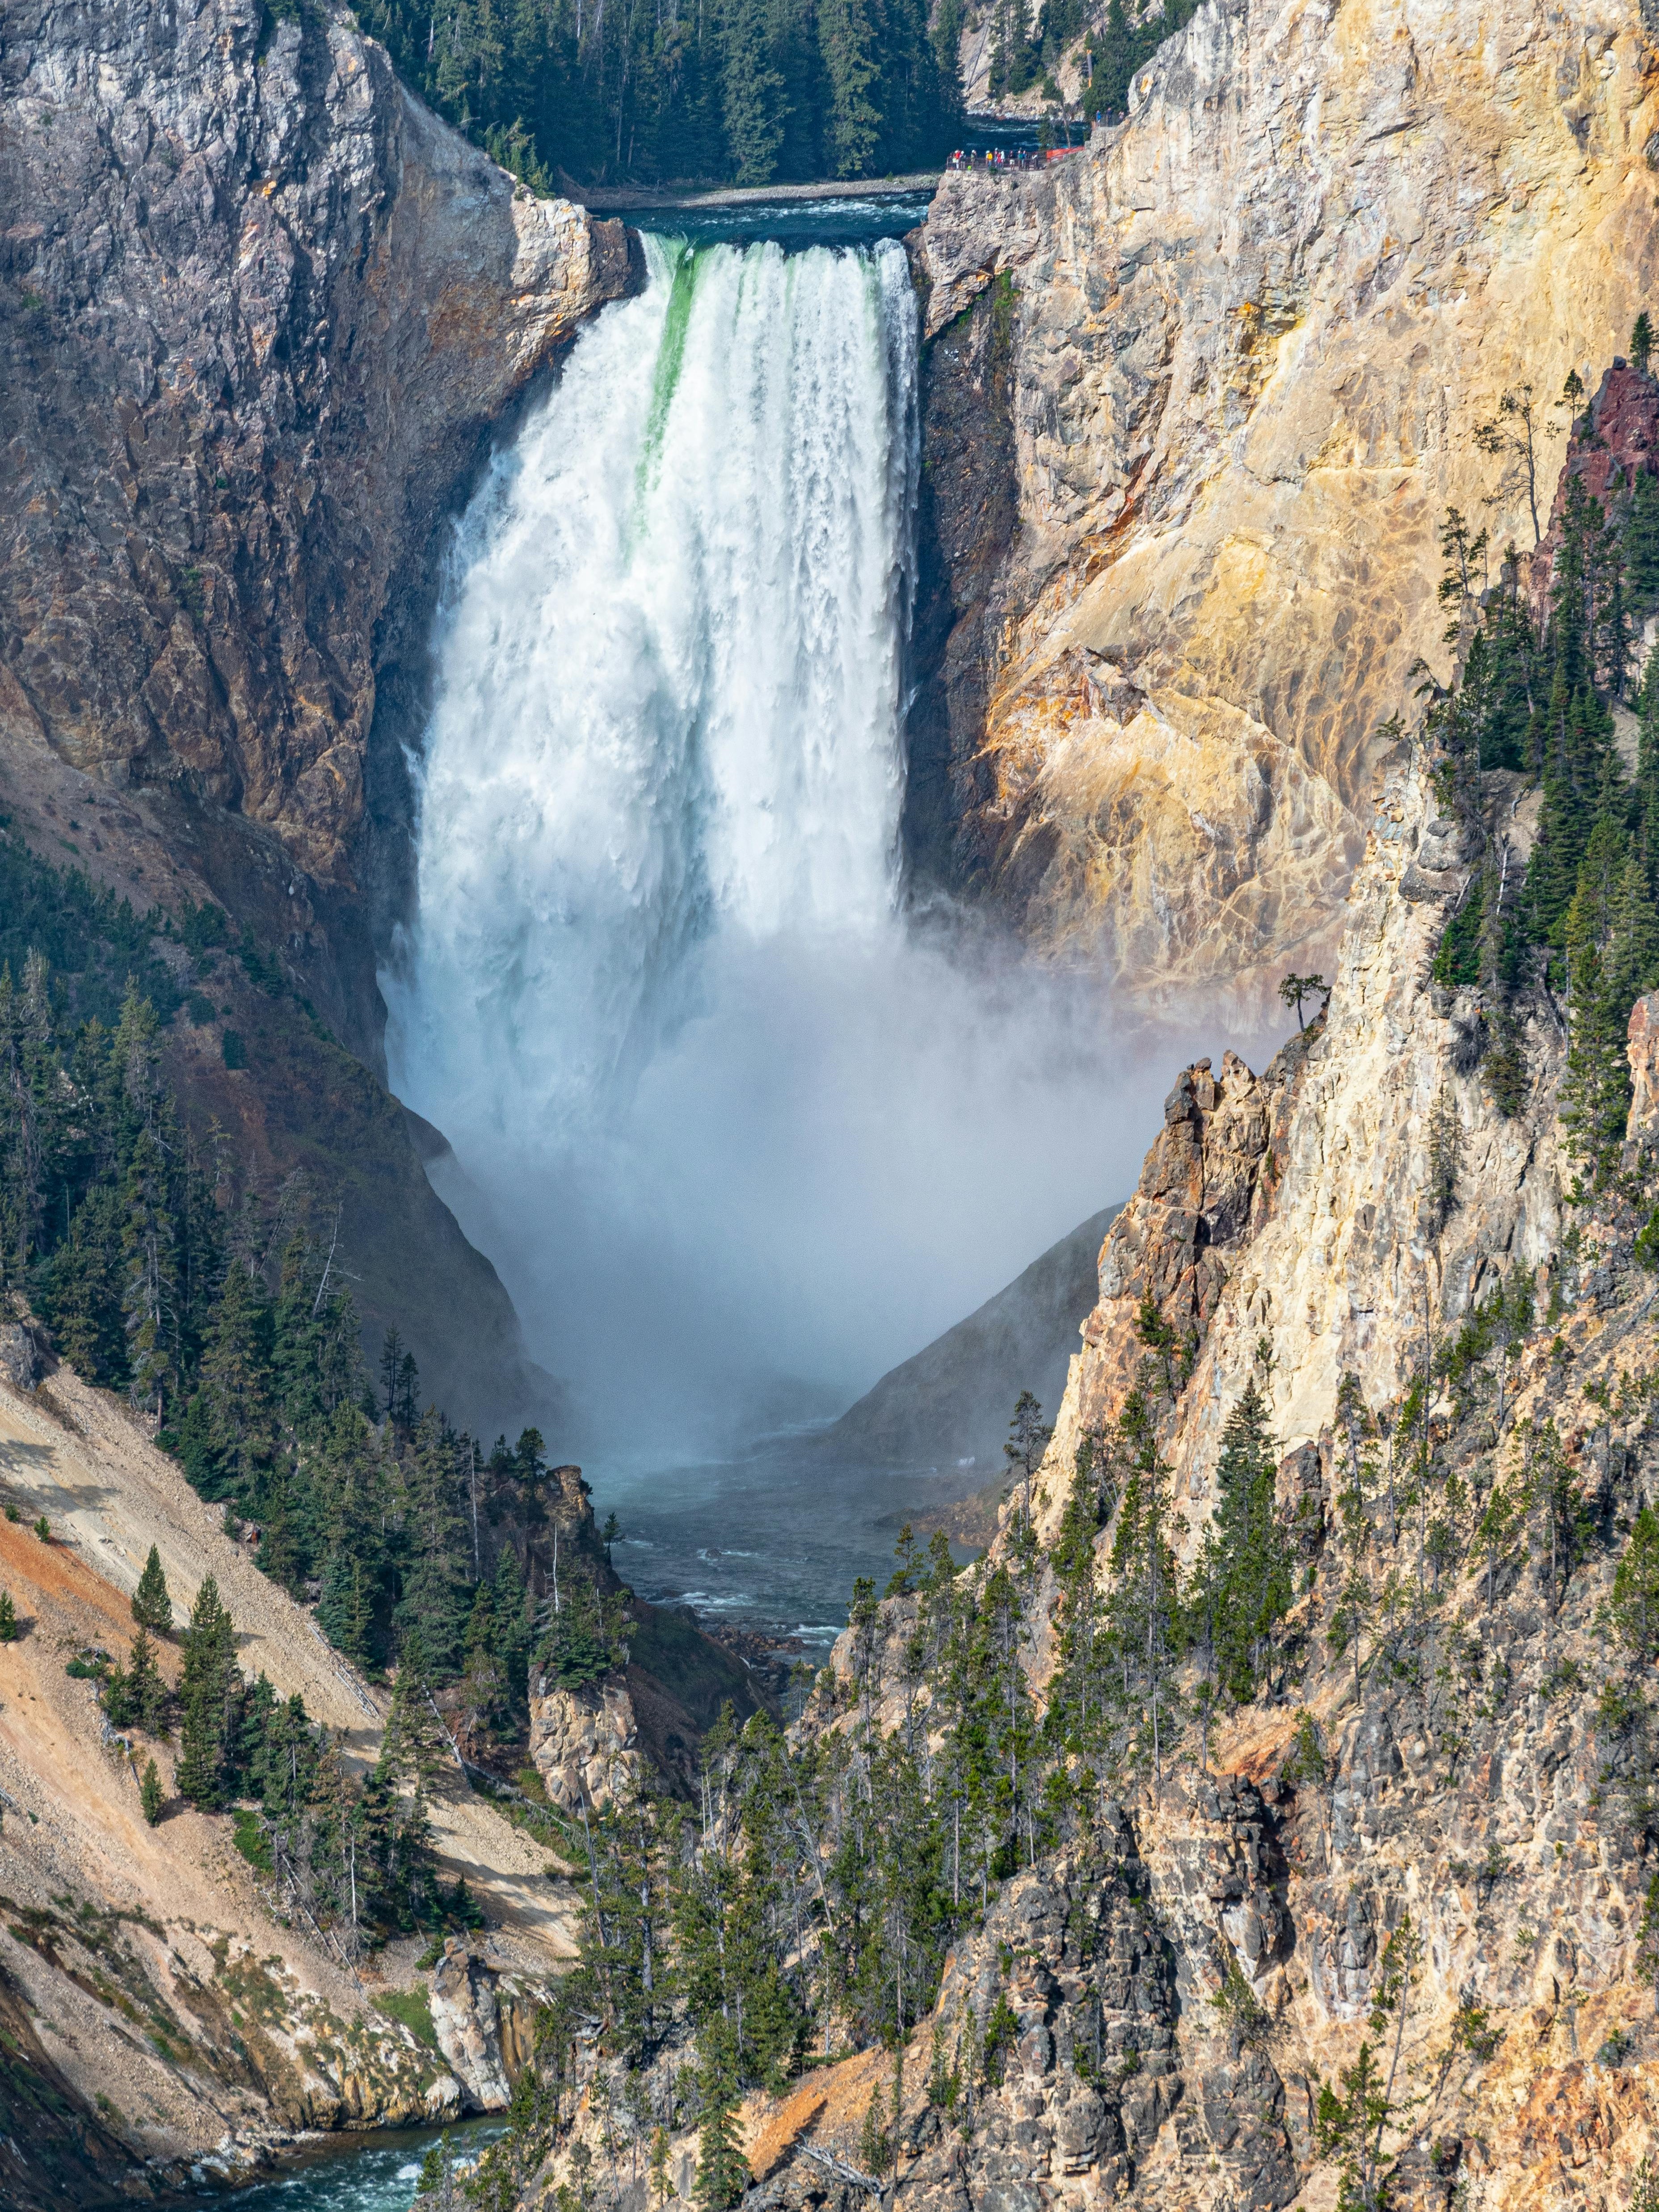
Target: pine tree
column 152, row 1607
column 284, row 1767
column 8, row 1617
column 1027, row 1440
column 413, row 1751
column 483, row 1682
column 1113, row 54
column 116, row 1696
column 1350, row 2120
column 82, row 1291
column 1634, row 926
column 1595, row 1088
column 1641, row 341
column 297, row 1337
column 151, row 1795
column 436, row 2184
column 150, row 1289
column 723, row 2173
column 204, row 1697
column 1253, row 1551
column 146, row 1691
column 344, row 1611
column 436, row 1598
column 1583, row 781
column 1635, row 1607
column 1642, row 540
column 755, row 102
column 235, row 1388
column 510, row 1612
column 848, row 44
column 1146, row 1602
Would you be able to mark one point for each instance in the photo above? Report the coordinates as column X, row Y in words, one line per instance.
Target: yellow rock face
column 1254, row 331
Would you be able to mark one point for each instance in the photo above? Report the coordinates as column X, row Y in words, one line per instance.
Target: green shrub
column 252, row 1842
column 411, row 2008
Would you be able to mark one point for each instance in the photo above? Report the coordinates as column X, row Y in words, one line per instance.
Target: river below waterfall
column 740, row 1121
column 354, row 2172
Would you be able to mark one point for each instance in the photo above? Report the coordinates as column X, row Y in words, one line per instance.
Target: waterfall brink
column 714, row 1110
column 669, row 709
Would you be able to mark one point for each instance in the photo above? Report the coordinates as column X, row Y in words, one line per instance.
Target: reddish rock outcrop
column 1604, row 454
column 1644, row 1051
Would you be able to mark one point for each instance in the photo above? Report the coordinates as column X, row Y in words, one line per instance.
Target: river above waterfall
column 792, row 221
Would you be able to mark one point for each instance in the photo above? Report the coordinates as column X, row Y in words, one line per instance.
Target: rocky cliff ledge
column 1420, row 1821
column 1180, row 1981
column 1219, row 376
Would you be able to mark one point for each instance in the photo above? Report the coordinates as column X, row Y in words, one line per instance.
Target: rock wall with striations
column 259, row 311
column 1249, row 335
column 1184, row 1973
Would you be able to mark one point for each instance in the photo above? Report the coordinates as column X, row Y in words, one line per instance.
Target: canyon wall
column 1222, row 374
column 259, row 312
column 171, row 2012
column 1445, row 1743
column 1183, row 1974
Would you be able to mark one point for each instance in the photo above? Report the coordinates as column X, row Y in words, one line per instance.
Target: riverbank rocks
column 467, row 2024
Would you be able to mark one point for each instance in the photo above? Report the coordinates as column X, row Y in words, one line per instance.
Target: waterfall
column 669, row 707
column 713, row 1105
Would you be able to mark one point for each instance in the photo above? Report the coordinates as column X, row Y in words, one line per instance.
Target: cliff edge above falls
column 1196, row 403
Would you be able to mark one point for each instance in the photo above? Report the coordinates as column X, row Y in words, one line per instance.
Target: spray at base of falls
column 721, row 1116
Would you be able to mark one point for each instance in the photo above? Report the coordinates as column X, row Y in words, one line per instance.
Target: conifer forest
column 746, row 92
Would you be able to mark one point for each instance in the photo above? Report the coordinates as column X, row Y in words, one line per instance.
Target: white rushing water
column 720, row 1115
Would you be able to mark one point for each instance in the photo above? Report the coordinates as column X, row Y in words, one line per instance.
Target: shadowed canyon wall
column 258, row 313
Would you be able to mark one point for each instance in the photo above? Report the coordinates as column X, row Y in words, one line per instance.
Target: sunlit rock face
column 260, row 310
column 1249, row 335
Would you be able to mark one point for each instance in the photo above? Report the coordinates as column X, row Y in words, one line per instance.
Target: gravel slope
column 155, row 1977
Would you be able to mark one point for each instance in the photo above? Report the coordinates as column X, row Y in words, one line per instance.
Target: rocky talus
column 1231, row 359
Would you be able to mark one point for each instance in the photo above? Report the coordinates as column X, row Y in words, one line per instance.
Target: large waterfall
column 727, row 1126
